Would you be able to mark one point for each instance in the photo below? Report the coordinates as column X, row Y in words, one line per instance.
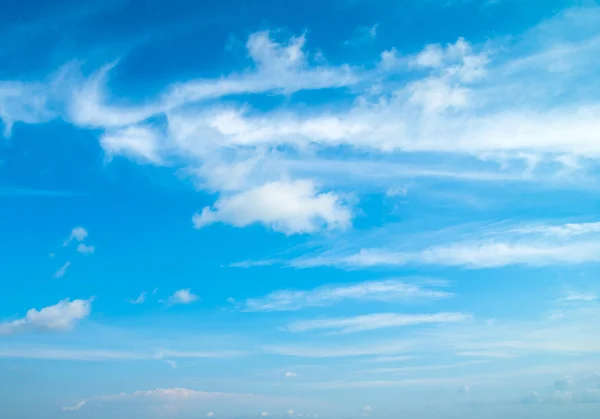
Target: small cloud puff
column 83, row 248
column 183, row 296
column 78, row 233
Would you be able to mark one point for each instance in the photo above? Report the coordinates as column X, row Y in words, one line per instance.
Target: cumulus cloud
column 386, row 290
column 59, row 317
column 374, row 321
column 210, row 414
column 264, row 414
column 290, row 374
column 62, row 270
column 183, row 296
column 290, row 207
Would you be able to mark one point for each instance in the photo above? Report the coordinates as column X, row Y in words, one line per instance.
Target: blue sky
column 335, row 209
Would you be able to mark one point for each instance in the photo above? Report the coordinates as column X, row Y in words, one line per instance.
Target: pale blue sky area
column 273, row 209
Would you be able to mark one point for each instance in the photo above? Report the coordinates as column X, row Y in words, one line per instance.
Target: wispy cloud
column 171, row 363
column 62, row 270
column 579, row 296
column 387, row 290
column 560, row 230
column 473, row 255
column 374, row 321
column 139, row 300
column 75, row 407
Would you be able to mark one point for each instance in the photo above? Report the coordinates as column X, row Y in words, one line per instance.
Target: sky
column 333, row 209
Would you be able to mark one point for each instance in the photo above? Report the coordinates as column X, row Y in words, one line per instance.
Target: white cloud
column 85, row 249
column 397, row 191
column 374, row 321
column 183, row 296
column 138, row 142
column 62, row 270
column 264, row 414
column 139, row 300
column 291, row 207
column 61, row 316
column 172, row 364
column 279, row 67
column 28, row 102
column 579, row 296
column 473, row 255
column 74, row 408
column 78, row 233
column 290, row 374
column 210, row 414
column 387, row 290
column 564, row 230
column 290, row 412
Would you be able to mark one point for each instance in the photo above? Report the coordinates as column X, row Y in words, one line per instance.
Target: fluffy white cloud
column 374, row 321
column 210, row 414
column 264, row 414
column 291, row 207
column 85, row 249
column 62, row 270
column 61, row 316
column 290, row 374
column 183, row 296
column 387, row 290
